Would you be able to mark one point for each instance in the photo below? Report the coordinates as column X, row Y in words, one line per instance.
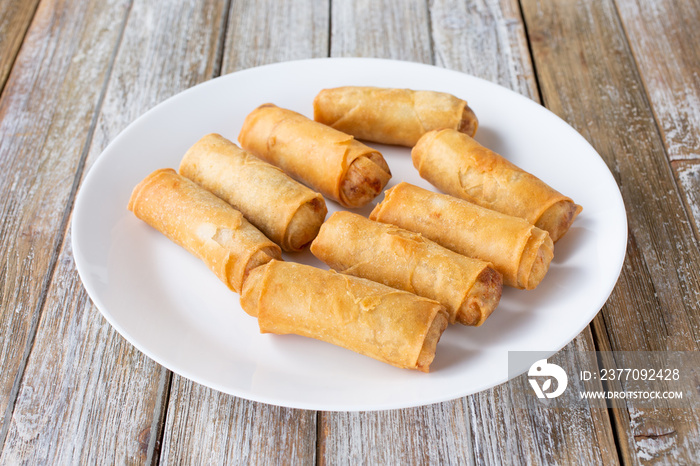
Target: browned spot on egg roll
column 470, row 289
column 517, row 249
column 369, row 318
column 288, row 212
column 323, row 158
column 458, row 165
column 203, row 224
column 392, row 116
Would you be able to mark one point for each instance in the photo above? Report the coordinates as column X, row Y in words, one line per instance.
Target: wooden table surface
column 74, row 73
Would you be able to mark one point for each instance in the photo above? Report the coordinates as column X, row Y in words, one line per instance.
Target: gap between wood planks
column 157, row 431
column 597, row 339
column 602, row 338
column 529, row 51
column 58, row 244
column 155, row 435
column 620, row 447
column 687, row 207
column 14, row 53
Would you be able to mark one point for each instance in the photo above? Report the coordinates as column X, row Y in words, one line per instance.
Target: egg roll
column 203, row 224
column 520, row 251
column 325, row 159
column 286, row 211
column 458, row 165
column 470, row 289
column 369, row 318
column 392, row 116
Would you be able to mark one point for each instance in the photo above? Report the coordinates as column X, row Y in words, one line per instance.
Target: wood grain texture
column 394, row 29
column 567, row 36
column 503, row 425
column 231, row 430
column 165, row 50
column 14, row 22
column 88, row 396
column 262, row 32
column 497, row 28
column 207, row 427
column 53, row 91
column 512, row 427
column 669, row 65
column 434, row 434
column 688, row 175
column 486, row 39
column 106, row 401
column 588, row 76
column 378, row 29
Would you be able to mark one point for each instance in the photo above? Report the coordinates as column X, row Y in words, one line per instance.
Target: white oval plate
column 172, row 308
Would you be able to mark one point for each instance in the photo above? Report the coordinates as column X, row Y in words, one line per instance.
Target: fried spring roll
column 393, row 326
column 470, row 289
column 457, row 164
column 392, row 116
column 520, row 251
column 323, row 158
column 287, row 212
column 203, row 224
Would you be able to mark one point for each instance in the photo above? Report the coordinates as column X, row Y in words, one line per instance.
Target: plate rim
column 87, row 180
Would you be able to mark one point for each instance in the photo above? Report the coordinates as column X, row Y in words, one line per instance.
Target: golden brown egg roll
column 369, row 318
column 458, row 165
column 203, row 224
column 520, row 251
column 286, row 211
column 321, row 157
column 470, row 289
column 392, row 116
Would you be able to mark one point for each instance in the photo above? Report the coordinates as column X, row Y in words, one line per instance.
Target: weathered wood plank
column 43, row 102
column 588, row 76
column 14, row 22
column 511, row 427
column 486, row 39
column 384, row 29
column 496, row 30
column 398, row 30
column 87, row 395
column 232, row 430
column 435, row 434
column 664, row 37
column 270, row 31
column 604, row 100
column 497, row 426
column 688, row 175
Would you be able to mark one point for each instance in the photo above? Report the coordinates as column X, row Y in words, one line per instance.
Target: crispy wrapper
column 286, row 211
column 369, row 318
column 392, row 116
column 203, row 224
column 517, row 249
column 323, row 158
column 457, row 164
column 470, row 289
